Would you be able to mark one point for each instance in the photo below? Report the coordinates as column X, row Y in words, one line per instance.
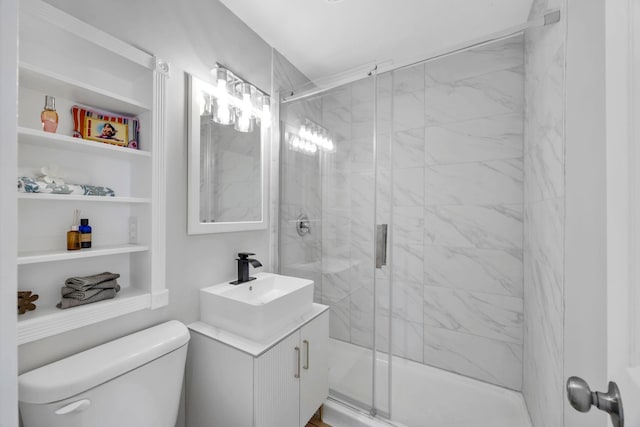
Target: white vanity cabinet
column 235, row 382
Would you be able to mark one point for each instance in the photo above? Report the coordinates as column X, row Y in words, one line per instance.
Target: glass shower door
column 335, row 189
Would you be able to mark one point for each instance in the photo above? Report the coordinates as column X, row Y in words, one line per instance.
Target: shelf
column 39, row 138
column 79, row 198
column 48, row 321
column 35, row 257
column 45, row 81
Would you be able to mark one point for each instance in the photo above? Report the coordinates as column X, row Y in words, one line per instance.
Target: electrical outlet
column 133, row 229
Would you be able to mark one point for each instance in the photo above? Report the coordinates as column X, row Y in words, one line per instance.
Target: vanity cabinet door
column 277, row 384
column 314, row 373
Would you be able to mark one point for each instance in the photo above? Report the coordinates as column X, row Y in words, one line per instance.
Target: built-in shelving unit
column 62, row 255
column 128, row 229
column 41, row 139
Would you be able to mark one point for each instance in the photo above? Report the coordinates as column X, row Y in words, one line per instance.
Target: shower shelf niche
column 110, row 75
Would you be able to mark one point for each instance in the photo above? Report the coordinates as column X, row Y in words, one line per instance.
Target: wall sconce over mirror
column 228, row 129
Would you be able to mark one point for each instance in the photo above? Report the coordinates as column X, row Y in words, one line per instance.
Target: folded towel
column 68, row 292
column 90, row 282
column 31, row 185
column 72, row 302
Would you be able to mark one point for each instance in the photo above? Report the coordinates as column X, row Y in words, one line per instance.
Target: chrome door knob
column 582, row 398
column 579, row 394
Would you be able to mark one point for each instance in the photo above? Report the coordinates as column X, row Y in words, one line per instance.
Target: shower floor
column 421, row 396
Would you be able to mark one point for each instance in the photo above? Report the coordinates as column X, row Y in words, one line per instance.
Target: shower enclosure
column 409, row 216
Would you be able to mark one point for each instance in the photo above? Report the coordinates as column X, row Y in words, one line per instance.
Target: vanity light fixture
column 244, row 112
column 310, row 138
column 221, row 107
column 237, row 102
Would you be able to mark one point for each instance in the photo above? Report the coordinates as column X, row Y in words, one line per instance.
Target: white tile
column 410, row 79
column 408, row 149
column 361, row 312
column 488, row 95
column 406, row 338
column 490, row 182
column 336, row 286
column 408, row 110
column 487, row 138
column 500, row 55
column 361, row 155
column 408, row 187
column 339, row 320
column 544, row 169
column 491, row 316
column 485, row 227
column 493, row 361
column 408, row 225
column 338, row 122
column 407, row 262
column 483, row 270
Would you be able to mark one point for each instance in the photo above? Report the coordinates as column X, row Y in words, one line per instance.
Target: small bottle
column 73, row 239
column 85, row 233
column 49, row 116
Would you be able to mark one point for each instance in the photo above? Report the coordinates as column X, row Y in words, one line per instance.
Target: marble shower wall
column 449, row 184
column 450, row 147
column 300, row 194
column 472, row 260
column 545, row 52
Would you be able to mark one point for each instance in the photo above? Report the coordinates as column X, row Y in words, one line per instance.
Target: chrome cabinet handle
column 306, row 362
column 297, row 374
column 582, row 398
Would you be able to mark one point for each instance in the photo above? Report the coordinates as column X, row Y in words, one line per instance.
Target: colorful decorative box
column 105, row 127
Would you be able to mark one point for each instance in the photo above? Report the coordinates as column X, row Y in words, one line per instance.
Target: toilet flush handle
column 78, row 406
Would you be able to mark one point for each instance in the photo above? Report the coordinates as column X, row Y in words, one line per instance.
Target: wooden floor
column 316, row 420
column 317, row 423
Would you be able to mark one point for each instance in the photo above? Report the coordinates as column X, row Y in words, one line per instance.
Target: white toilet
column 132, row 381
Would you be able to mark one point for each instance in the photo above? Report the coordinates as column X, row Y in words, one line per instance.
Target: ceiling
column 325, row 38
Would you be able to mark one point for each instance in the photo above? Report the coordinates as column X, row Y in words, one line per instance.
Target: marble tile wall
column 473, row 213
column 450, row 150
column 300, row 194
column 450, row 185
column 286, row 77
column 544, row 161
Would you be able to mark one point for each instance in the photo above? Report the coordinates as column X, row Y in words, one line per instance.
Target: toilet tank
column 132, row 381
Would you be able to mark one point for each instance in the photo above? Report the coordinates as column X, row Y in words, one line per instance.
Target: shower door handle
column 381, row 245
column 582, row 398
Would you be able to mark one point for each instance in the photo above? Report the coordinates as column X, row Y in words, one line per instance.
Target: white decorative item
column 50, row 175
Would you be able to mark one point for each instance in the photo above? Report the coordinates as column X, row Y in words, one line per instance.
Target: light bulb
column 222, row 112
column 266, row 110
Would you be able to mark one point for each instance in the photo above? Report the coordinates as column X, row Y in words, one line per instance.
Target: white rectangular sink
column 256, row 309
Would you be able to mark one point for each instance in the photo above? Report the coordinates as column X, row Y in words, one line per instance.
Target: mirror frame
column 194, row 226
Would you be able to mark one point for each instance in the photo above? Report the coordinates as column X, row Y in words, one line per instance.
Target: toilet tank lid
column 82, row 371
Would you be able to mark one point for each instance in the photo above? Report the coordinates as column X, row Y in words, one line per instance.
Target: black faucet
column 243, row 267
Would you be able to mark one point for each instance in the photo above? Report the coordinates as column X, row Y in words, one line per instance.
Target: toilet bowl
column 132, row 381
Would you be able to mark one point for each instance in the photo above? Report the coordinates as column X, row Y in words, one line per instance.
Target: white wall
column 192, row 39
column 8, row 212
column 585, row 240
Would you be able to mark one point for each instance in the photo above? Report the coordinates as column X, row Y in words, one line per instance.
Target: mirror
column 227, row 162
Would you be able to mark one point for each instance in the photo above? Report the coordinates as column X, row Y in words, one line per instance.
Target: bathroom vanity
column 270, row 376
